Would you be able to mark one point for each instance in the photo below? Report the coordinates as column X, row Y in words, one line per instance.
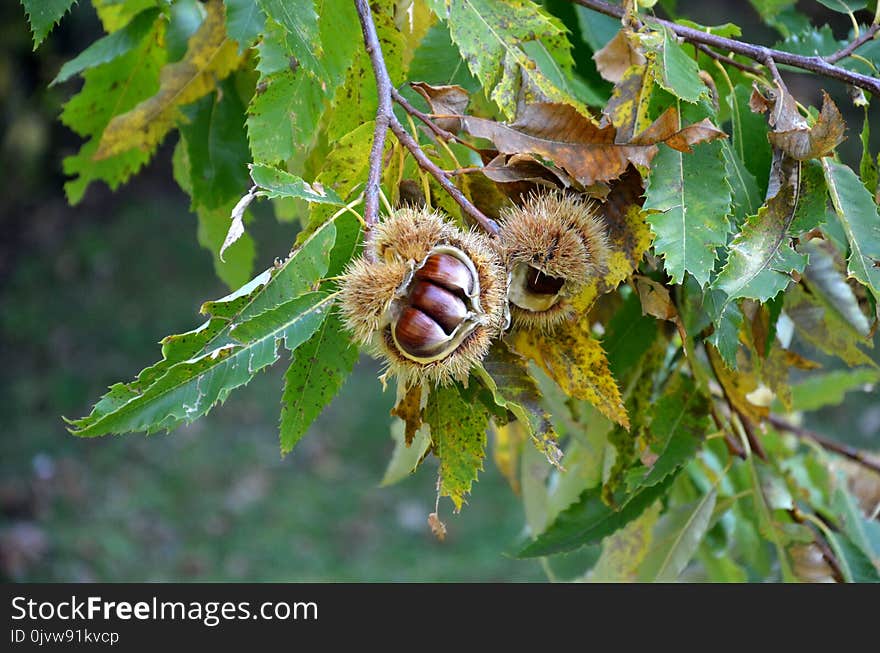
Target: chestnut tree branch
column 865, row 36
column 837, row 447
column 385, row 120
column 759, row 53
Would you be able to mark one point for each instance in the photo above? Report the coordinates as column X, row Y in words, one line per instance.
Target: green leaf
column 855, row 565
column 828, row 286
column 458, row 430
column 867, row 167
column 244, row 21
column 746, row 196
column 275, row 183
column 506, row 376
column 217, row 148
column 238, row 259
column 299, row 21
column 676, row 71
column 628, row 336
column 860, row 220
column 750, row 137
column 405, row 458
column 43, row 15
column 623, row 552
column 109, row 89
column 844, row 6
column 589, row 519
column 688, row 200
column 110, row 47
column 491, row 35
column 850, row 517
column 678, row 426
column 760, row 259
column 316, row 374
column 241, row 337
column 820, row 390
column 596, row 29
column 812, row 42
column 438, row 62
column 676, row 539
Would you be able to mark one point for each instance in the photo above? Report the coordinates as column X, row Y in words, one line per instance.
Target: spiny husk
column 400, row 244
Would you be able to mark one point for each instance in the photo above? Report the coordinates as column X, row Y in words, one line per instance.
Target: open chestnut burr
column 432, row 300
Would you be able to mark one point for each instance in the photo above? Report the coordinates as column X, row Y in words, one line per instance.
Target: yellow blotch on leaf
column 210, row 56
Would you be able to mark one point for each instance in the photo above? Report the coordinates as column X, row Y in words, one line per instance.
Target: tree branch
column 757, row 53
column 385, row 120
column 866, row 36
column 844, row 450
column 384, row 116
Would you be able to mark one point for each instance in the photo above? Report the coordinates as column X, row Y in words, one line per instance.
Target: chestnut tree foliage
column 656, row 430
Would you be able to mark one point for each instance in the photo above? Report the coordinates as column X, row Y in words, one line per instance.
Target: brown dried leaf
column 802, row 142
column 579, row 146
column 619, row 55
column 448, row 100
column 438, row 528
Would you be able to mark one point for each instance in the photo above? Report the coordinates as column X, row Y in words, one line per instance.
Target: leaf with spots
column 244, row 21
column 577, row 363
column 458, row 430
column 493, row 35
column 109, row 89
column 409, row 409
column 319, row 368
column 211, row 55
column 507, row 376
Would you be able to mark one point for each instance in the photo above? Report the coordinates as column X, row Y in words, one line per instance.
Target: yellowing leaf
column 211, row 55
column 577, row 363
column 409, row 409
column 509, row 440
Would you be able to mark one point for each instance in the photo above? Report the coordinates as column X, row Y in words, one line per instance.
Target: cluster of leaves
column 737, row 234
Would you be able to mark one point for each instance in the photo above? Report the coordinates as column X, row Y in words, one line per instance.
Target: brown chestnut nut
column 430, row 301
column 552, row 245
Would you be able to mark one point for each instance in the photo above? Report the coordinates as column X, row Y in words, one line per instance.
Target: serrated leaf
column 406, row 457
column 43, row 15
column 109, row 47
column 860, row 220
column 438, row 61
column 678, row 426
column 490, row 34
column 628, row 335
column 458, row 430
column 676, row 71
column 211, row 55
column 319, row 368
column 805, row 143
column 506, row 376
column 688, row 201
column 409, row 409
column 275, row 183
column 589, row 519
column 750, row 137
column 300, row 21
column 111, row 88
column 728, row 319
column 577, row 363
column 241, row 337
column 761, row 259
column 676, row 539
column 746, row 199
column 867, row 166
column 244, row 21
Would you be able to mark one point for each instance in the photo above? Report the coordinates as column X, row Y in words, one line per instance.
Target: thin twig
column 844, row 450
column 384, row 116
column 439, row 132
column 757, row 53
column 434, row 170
column 865, row 36
column 385, row 120
column 730, row 61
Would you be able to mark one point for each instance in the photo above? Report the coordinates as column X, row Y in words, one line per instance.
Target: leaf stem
column 758, row 53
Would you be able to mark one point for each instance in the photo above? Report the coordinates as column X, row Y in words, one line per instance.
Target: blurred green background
column 86, row 293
